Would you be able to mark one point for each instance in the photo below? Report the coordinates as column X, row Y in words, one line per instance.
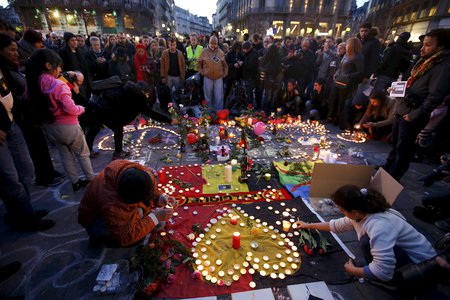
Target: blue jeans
column 213, row 90
column 15, row 172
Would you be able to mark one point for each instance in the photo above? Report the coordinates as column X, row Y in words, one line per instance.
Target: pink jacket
column 63, row 108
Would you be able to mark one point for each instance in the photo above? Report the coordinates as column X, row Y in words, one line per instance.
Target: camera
column 428, row 270
column 72, row 78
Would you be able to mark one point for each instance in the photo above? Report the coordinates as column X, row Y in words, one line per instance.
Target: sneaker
column 443, row 225
column 9, row 270
column 94, row 154
column 52, row 183
column 120, row 155
column 35, row 224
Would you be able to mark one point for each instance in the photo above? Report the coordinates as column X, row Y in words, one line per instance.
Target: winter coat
column 395, row 60
column 165, row 63
column 427, row 92
column 371, row 52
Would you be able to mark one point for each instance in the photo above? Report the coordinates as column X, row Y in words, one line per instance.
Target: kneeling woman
column 387, row 241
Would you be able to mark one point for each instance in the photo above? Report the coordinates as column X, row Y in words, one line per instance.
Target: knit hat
column 140, row 46
column 404, row 36
column 32, row 36
column 68, row 36
column 135, row 186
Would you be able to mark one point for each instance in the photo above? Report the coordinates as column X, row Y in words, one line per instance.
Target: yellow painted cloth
column 273, row 257
column 215, row 176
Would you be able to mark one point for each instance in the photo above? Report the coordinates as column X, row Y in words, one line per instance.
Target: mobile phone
column 223, row 187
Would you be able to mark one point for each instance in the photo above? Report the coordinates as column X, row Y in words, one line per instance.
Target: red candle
column 233, row 220
column 316, row 149
column 161, row 176
column 236, row 240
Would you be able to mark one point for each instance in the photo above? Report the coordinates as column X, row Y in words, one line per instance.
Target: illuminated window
column 295, row 28
column 109, row 21
column 398, row 20
column 128, row 21
column 423, row 13
column 405, row 18
column 278, row 28
column 432, row 11
column 71, row 20
column 54, row 18
column 413, row 16
column 323, row 27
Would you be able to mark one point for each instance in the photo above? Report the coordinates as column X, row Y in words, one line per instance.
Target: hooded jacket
column 127, row 223
column 62, row 106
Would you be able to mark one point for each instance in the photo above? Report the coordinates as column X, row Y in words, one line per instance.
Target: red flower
column 261, row 139
column 171, row 278
column 249, row 106
column 204, row 103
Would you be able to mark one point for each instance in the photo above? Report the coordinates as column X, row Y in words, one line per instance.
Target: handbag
column 342, row 81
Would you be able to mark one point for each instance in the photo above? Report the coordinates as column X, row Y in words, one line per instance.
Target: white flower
column 363, row 191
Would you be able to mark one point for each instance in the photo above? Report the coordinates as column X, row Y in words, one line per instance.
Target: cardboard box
column 327, row 178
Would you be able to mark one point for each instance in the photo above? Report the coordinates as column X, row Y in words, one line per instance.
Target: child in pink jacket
column 52, row 99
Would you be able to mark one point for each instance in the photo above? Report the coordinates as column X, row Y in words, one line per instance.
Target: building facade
column 393, row 17
column 134, row 17
column 223, row 13
column 290, row 17
column 187, row 22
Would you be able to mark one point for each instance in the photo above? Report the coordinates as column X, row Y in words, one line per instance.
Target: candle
column 233, row 164
column 161, row 176
column 233, row 220
column 236, row 240
column 267, row 176
column 217, row 140
column 250, row 121
column 286, row 226
column 228, row 174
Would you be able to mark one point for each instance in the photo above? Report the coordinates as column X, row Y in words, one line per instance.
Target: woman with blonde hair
column 346, row 80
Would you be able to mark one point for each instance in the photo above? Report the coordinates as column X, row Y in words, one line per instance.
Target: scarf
column 140, row 61
column 423, row 66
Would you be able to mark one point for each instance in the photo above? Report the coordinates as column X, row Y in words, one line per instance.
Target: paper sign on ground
column 312, row 290
column 263, row 294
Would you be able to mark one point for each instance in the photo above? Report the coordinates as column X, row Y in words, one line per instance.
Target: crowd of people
column 62, row 89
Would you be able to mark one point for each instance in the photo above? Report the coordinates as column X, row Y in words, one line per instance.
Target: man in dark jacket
column 96, row 59
column 371, row 50
column 395, row 61
column 111, row 110
column 122, row 41
column 426, row 89
column 250, row 70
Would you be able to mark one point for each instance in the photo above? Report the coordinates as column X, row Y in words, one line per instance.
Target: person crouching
column 122, row 204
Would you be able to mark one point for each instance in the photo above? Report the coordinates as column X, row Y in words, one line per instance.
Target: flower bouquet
column 157, row 261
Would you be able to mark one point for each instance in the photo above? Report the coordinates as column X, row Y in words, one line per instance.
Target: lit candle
column 233, row 164
column 233, row 220
column 250, row 121
column 161, row 176
column 236, row 240
column 267, row 176
column 286, row 226
column 228, row 174
column 217, row 140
